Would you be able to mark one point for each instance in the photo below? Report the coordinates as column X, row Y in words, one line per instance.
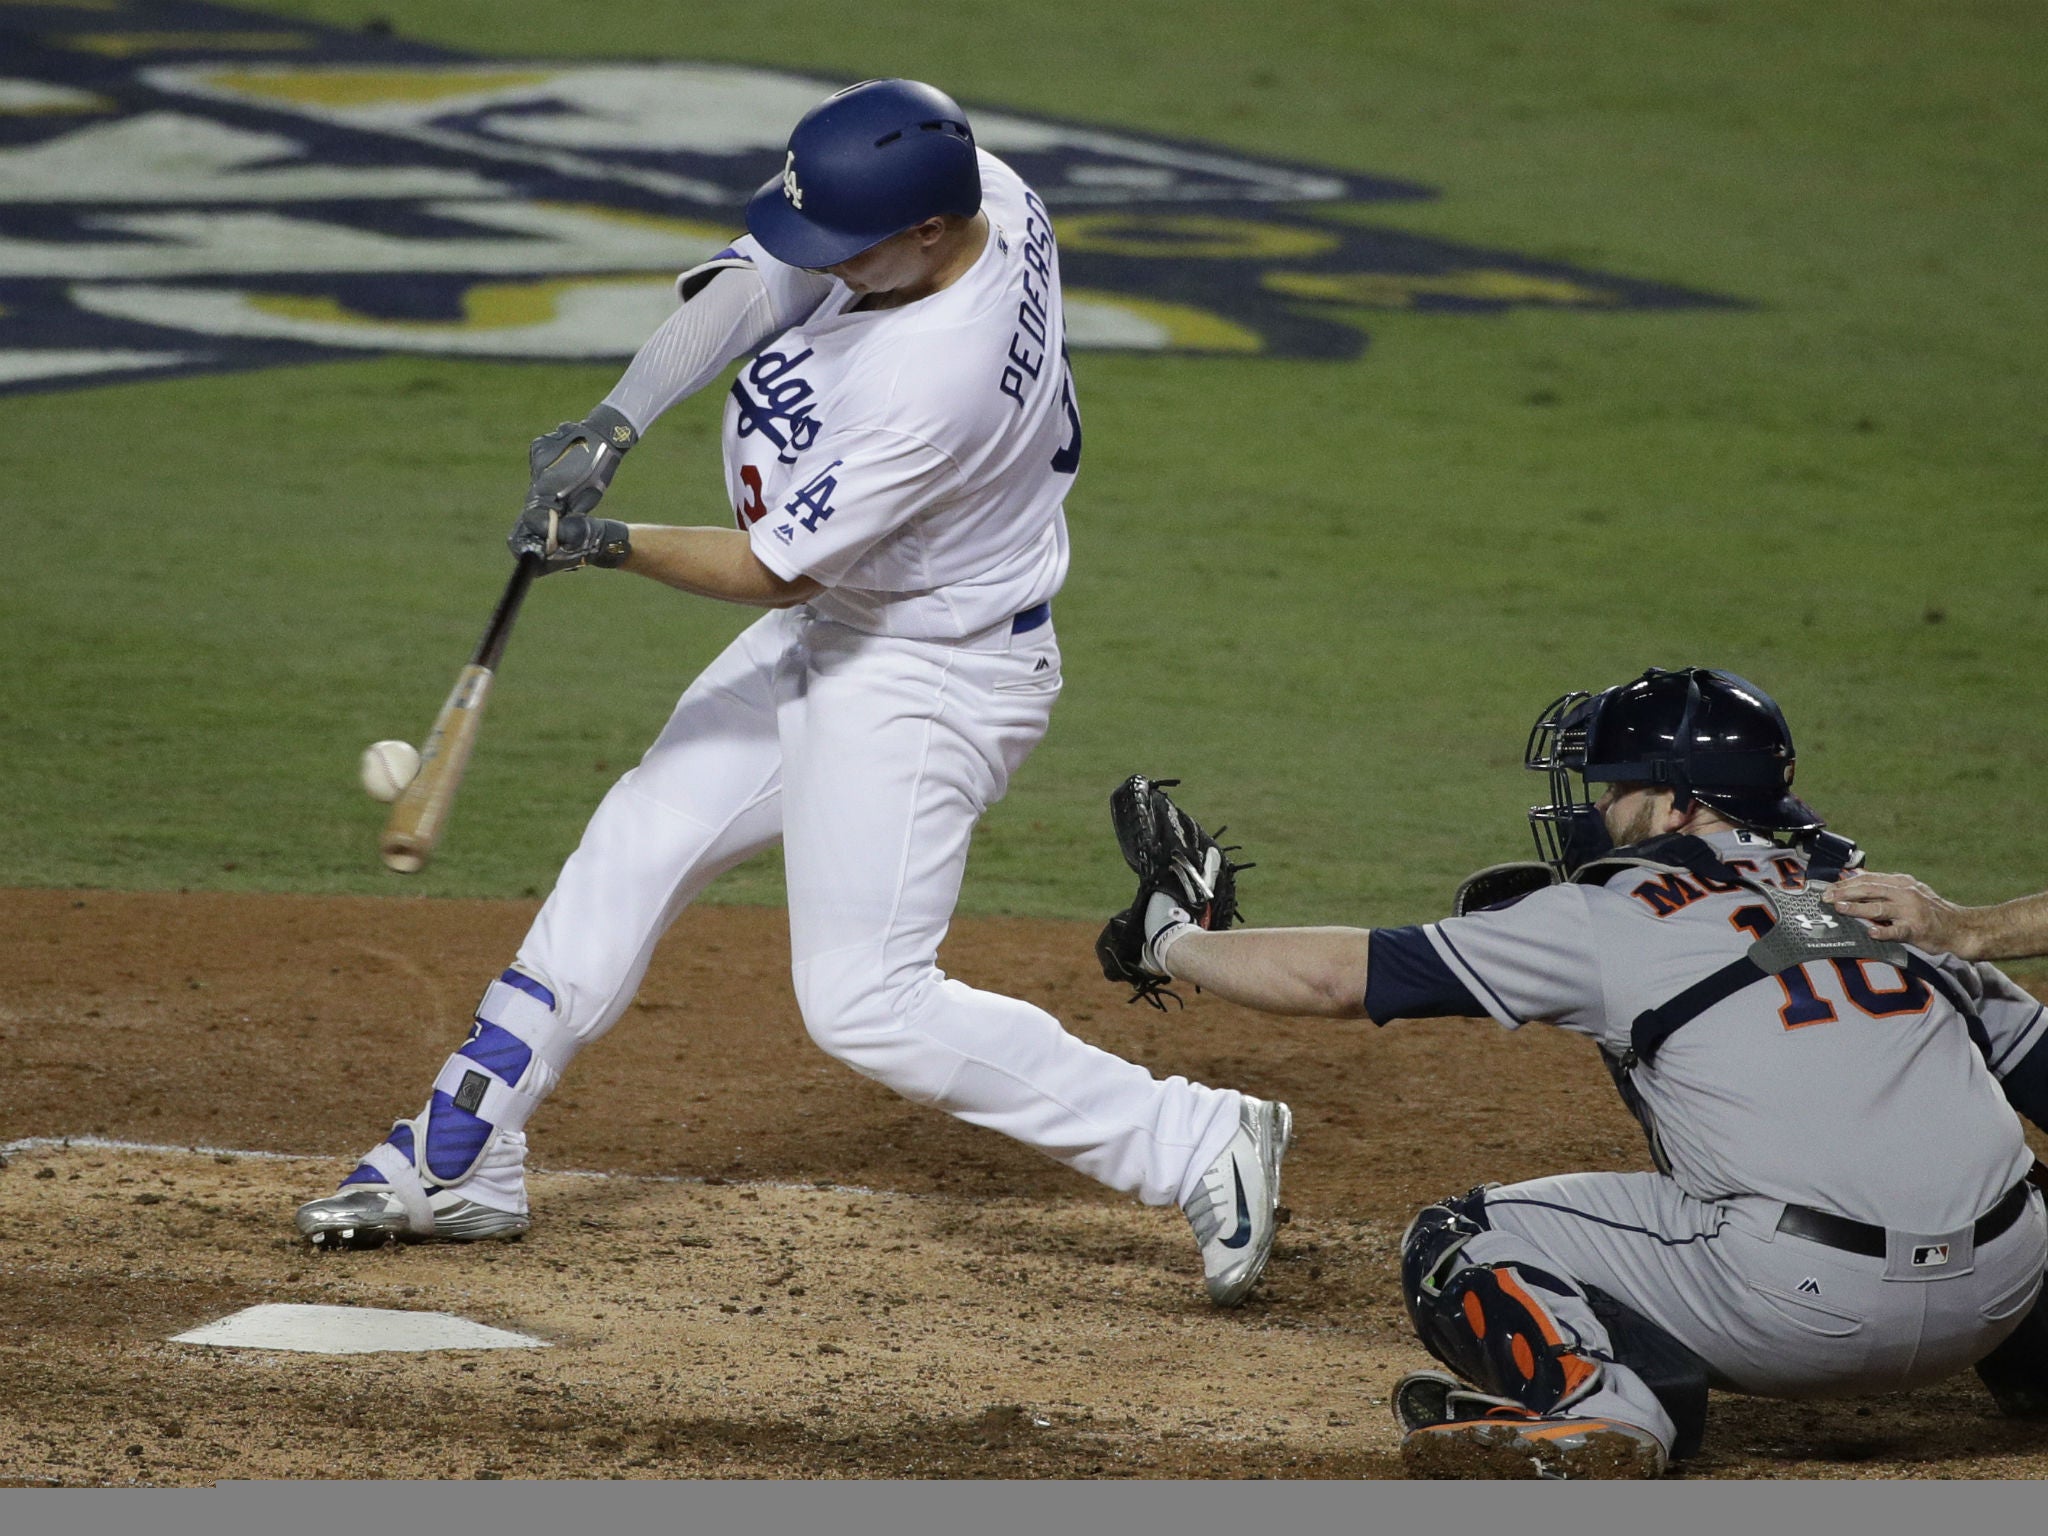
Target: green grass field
column 1329, row 596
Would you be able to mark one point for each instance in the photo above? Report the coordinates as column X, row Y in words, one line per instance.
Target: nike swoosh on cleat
column 1243, row 1234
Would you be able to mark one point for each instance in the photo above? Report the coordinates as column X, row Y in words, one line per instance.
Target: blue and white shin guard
column 472, row 1132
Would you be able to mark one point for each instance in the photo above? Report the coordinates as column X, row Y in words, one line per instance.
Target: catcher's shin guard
column 1488, row 1322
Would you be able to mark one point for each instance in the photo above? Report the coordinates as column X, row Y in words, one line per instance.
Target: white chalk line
column 162, row 1149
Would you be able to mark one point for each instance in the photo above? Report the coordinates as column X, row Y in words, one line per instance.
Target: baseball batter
column 898, row 448
column 1844, row 1201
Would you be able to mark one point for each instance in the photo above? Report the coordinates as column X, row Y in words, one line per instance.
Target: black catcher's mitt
column 1175, row 859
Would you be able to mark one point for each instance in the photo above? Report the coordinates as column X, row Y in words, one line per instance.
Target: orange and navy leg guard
column 1488, row 1322
column 1492, row 1325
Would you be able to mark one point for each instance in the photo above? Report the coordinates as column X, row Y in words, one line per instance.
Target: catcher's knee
column 1434, row 1239
column 1485, row 1321
column 1491, row 1325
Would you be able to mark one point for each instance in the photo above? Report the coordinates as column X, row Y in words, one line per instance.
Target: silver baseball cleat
column 1235, row 1210
column 371, row 1216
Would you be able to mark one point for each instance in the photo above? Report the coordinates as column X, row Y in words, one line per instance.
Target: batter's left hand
column 572, row 465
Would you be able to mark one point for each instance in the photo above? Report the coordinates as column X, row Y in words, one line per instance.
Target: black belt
column 1861, row 1237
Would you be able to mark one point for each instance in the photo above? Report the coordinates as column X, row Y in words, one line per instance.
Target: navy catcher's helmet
column 1704, row 734
column 870, row 162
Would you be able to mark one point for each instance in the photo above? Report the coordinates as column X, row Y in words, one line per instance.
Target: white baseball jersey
column 1847, row 1085
column 915, row 460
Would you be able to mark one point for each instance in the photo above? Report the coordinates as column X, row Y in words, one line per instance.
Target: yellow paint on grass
column 371, row 87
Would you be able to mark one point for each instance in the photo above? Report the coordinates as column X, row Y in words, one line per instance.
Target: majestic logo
column 190, row 187
column 790, row 189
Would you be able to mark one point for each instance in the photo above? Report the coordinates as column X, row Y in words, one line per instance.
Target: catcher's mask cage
column 1704, row 734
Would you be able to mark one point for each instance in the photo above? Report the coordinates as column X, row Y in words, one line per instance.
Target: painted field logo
column 188, row 187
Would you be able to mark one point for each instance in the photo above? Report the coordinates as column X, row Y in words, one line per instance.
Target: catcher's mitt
column 1184, row 876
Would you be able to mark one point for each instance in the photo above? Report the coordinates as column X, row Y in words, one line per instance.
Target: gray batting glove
column 573, row 464
column 565, row 541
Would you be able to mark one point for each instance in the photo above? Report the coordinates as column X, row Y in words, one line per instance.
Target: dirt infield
column 785, row 1272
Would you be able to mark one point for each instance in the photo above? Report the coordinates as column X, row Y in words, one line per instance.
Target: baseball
column 388, row 766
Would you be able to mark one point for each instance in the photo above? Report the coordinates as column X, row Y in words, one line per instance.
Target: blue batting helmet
column 867, row 163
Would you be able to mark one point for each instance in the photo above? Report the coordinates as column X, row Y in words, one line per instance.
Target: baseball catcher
column 1843, row 1199
column 1185, row 880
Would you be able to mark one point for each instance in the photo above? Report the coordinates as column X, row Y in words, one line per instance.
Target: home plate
column 350, row 1331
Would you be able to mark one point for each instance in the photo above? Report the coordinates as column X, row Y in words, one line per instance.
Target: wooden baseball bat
column 420, row 814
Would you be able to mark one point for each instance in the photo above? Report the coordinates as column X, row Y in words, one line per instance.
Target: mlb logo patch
column 1930, row 1255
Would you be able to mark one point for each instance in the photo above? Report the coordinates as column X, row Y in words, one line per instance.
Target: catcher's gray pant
column 870, row 759
column 1769, row 1313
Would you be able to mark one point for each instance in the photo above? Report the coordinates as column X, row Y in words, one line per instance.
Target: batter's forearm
column 725, row 314
column 712, row 562
column 1318, row 971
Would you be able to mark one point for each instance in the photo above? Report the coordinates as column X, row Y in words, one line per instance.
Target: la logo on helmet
column 790, row 189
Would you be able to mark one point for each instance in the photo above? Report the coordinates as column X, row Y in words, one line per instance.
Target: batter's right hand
column 572, row 465
column 565, row 541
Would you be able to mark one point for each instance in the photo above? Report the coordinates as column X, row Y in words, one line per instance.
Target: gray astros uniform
column 1847, row 1087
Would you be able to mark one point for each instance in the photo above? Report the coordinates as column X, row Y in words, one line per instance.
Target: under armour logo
column 622, row 435
column 1930, row 1255
column 790, row 189
column 1812, row 922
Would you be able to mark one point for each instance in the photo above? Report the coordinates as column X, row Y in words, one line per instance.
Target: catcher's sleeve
column 1537, row 959
column 1405, row 978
